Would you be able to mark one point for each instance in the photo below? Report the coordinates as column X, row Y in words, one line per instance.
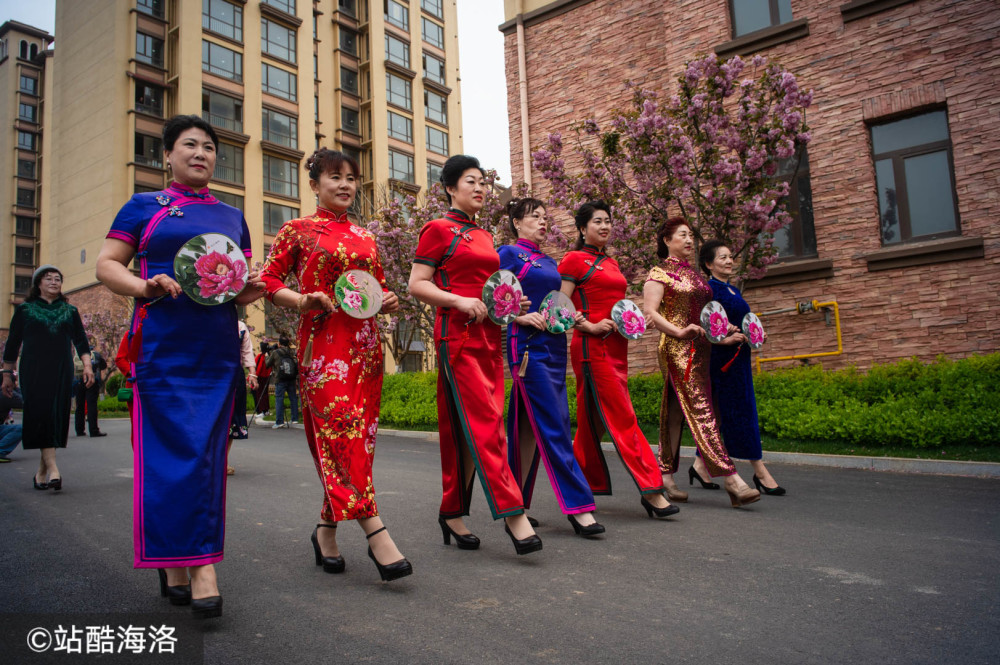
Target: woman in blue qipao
column 538, row 413
column 732, row 376
column 185, row 367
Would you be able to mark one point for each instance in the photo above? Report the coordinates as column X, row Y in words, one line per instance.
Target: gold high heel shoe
column 743, row 497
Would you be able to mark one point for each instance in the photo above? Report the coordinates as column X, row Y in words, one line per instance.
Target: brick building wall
column 921, row 299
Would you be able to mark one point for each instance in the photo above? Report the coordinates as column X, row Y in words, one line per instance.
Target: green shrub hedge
column 903, row 404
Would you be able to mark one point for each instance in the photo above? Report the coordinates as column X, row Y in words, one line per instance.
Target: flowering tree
column 106, row 327
column 710, row 153
column 396, row 224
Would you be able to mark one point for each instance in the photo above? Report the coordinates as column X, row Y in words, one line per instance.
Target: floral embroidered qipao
column 341, row 387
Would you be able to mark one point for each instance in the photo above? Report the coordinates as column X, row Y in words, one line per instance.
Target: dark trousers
column 86, row 396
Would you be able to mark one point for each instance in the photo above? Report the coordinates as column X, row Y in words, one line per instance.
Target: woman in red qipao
column 340, row 358
column 600, row 362
column 454, row 259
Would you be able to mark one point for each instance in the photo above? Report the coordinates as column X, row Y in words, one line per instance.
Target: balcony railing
column 155, row 162
column 222, row 122
column 228, row 173
column 150, row 109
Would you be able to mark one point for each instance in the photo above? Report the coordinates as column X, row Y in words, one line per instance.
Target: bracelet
column 302, row 299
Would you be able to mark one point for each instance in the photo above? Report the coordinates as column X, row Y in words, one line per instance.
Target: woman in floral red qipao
column 340, row 358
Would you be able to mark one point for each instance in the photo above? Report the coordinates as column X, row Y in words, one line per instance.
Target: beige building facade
column 378, row 79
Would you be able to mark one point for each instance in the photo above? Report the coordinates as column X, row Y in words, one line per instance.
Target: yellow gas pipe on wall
column 802, row 308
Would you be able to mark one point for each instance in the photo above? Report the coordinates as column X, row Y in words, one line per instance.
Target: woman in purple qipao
column 185, row 367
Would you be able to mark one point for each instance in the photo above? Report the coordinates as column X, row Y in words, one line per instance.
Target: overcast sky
column 484, row 89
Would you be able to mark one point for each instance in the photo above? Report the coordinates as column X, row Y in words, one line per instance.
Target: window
column 798, row 239
column 277, row 40
column 223, row 18
column 400, row 127
column 25, row 197
column 348, row 41
column 24, row 256
column 25, row 169
column 27, row 112
column 26, row 140
column 275, row 215
column 915, row 178
column 349, row 80
column 432, row 32
column 281, row 176
column 349, row 7
column 433, row 173
column 279, row 83
column 433, row 7
column 151, row 7
column 280, row 128
column 434, row 69
column 397, row 51
column 29, row 85
column 398, row 91
column 752, row 15
column 234, row 200
column 221, row 61
column 437, row 141
column 22, row 284
column 34, row 51
column 149, row 49
column 349, row 119
column 287, row 6
column 229, row 163
column 435, row 107
column 401, row 166
column 25, row 226
column 222, row 111
column 23, row 52
column 148, row 150
column 148, row 99
column 397, row 14
column 315, row 67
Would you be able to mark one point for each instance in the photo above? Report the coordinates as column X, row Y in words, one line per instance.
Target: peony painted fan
column 359, row 294
column 714, row 321
column 558, row 311
column 211, row 269
column 629, row 319
column 502, row 296
column 754, row 330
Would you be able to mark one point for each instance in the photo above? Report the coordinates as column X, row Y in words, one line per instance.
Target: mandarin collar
column 528, row 244
column 680, row 262
column 456, row 215
column 202, row 193
column 331, row 215
column 593, row 249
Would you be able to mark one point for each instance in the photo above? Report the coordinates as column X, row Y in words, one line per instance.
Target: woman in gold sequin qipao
column 674, row 295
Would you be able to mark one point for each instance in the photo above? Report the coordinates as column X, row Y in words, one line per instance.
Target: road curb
column 890, row 464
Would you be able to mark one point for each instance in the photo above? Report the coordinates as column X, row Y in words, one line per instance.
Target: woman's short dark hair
column 179, row 123
column 325, row 160
column 35, row 292
column 708, row 252
column 453, row 169
column 584, row 214
column 666, row 232
column 521, row 208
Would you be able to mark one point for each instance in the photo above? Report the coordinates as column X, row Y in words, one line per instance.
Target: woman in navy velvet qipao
column 732, row 375
column 538, row 413
column 185, row 368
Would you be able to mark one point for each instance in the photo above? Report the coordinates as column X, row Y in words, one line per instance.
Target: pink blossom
column 219, row 275
column 506, row 301
column 353, row 299
column 353, row 281
column 635, row 323
column 756, row 333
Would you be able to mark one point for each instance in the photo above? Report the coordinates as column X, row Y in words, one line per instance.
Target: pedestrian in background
column 262, row 396
column 87, row 397
column 286, row 370
column 49, row 329
column 247, row 378
column 10, row 432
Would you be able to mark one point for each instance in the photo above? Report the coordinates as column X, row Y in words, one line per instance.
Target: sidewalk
column 894, row 464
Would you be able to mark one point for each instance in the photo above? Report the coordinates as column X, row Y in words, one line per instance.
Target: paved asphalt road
column 850, row 567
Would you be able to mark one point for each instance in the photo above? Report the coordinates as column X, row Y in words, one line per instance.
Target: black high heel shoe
column 533, row 522
column 464, row 542
column 37, row 485
column 585, row 531
column 206, row 608
column 770, row 491
column 177, row 595
column 659, row 512
column 331, row 564
column 693, row 476
column 525, row 546
column 389, row 571
column 55, row 484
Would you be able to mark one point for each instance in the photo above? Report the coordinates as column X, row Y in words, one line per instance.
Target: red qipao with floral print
column 603, row 403
column 341, row 386
column 470, row 382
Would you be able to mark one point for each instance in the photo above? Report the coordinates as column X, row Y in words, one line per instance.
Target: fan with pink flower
column 714, row 321
column 628, row 319
column 502, row 296
column 211, row 269
column 754, row 330
column 359, row 294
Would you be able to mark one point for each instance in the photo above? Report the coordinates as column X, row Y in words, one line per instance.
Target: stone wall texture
column 923, row 54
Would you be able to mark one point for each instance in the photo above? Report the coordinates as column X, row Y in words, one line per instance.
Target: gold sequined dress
column 685, row 292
